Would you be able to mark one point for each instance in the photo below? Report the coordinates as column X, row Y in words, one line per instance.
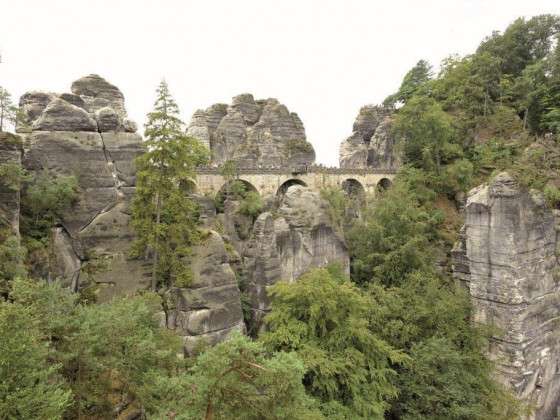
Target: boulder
column 98, row 93
column 32, row 104
column 507, row 259
column 107, row 119
column 60, row 115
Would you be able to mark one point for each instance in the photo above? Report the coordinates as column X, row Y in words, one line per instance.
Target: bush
column 251, row 205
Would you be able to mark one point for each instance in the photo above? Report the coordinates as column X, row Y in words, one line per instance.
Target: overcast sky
column 323, row 59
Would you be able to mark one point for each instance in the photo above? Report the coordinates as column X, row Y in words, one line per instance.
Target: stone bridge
column 275, row 181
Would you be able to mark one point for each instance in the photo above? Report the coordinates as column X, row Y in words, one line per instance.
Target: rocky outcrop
column 10, row 162
column 285, row 245
column 371, row 144
column 94, row 105
column 60, row 115
column 84, row 134
column 508, row 259
column 209, row 309
column 262, row 133
column 98, row 93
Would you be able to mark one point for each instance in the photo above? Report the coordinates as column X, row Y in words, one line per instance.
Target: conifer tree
column 162, row 214
column 8, row 111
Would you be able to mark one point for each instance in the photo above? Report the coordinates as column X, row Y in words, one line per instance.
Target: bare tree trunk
column 525, row 118
column 155, row 257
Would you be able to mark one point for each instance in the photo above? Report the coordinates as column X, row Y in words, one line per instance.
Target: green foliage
column 229, row 170
column 324, row 319
column 13, row 175
column 106, row 352
column 238, row 379
column 12, row 258
column 250, row 202
column 8, row 111
column 30, row 386
column 552, row 195
column 430, row 144
column 44, row 200
column 414, row 82
column 251, row 205
column 443, row 382
column 297, row 146
column 395, row 237
column 164, row 218
column 343, row 208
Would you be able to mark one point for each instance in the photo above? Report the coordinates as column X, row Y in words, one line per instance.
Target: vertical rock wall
column 508, row 259
column 87, row 134
column 289, row 241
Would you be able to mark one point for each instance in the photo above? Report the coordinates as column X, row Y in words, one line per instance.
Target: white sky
column 324, row 59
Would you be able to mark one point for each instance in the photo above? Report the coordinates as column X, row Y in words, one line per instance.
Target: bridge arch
column 188, row 186
column 287, row 184
column 384, row 184
column 233, row 189
column 353, row 188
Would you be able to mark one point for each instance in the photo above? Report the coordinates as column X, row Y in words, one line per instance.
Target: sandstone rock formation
column 285, row 245
column 84, row 134
column 210, row 308
column 261, row 133
column 94, row 105
column 371, row 143
column 508, row 259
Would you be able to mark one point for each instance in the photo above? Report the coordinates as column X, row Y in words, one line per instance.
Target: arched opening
column 188, row 186
column 353, row 188
column 236, row 189
column 287, row 184
column 384, row 184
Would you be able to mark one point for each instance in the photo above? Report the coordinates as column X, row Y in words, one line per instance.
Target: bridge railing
column 213, row 170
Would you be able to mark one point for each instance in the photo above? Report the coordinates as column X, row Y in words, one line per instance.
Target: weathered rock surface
column 93, row 105
column 98, row 93
column 210, row 308
column 283, row 247
column 260, row 133
column 82, row 134
column 371, row 143
column 508, row 259
column 10, row 159
column 60, row 115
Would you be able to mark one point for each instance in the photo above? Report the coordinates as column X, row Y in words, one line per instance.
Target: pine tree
column 163, row 216
column 8, row 111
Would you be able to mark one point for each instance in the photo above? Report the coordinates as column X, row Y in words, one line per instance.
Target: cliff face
column 508, row 259
column 86, row 134
column 208, row 310
column 261, row 133
column 287, row 243
column 371, row 143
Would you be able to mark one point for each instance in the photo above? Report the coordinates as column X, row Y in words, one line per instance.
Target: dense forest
column 395, row 340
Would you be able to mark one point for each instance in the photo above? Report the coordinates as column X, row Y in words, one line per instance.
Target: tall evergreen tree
column 8, row 111
column 163, row 215
column 413, row 81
